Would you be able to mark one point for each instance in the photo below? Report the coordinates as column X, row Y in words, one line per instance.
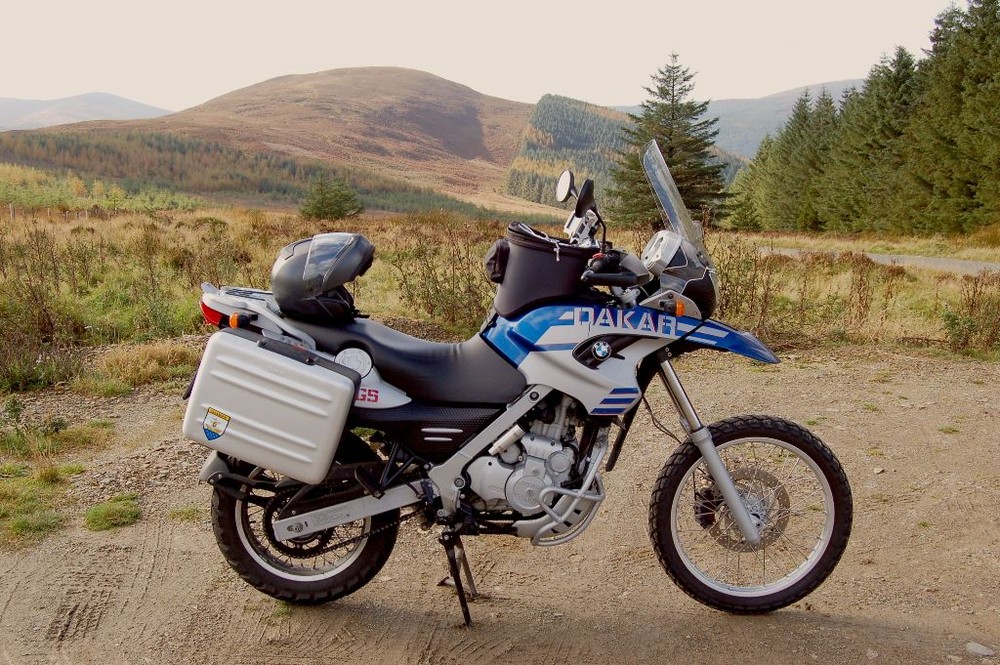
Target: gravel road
column 919, row 583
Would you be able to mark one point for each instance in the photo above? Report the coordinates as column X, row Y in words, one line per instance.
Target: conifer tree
column 784, row 179
column 330, row 199
column 747, row 205
column 953, row 148
column 862, row 176
column 676, row 122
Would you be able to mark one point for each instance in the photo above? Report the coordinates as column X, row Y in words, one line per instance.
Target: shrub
column 445, row 281
column 974, row 323
column 122, row 510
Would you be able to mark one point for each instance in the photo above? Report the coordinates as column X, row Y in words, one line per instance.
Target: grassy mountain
column 32, row 113
column 391, row 121
column 393, row 133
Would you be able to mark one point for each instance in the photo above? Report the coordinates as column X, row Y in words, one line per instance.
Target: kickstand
column 456, row 554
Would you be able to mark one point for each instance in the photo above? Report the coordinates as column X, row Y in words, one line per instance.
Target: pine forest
column 916, row 150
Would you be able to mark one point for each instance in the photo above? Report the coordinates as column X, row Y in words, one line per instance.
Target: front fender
column 712, row 334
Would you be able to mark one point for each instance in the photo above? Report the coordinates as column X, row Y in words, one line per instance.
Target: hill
column 564, row 133
column 388, row 130
column 743, row 123
column 33, row 113
column 398, row 122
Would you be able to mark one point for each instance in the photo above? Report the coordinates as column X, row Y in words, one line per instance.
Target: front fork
column 701, row 436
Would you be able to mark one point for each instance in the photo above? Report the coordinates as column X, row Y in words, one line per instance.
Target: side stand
column 456, row 557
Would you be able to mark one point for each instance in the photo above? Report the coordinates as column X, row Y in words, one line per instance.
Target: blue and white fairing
column 541, row 344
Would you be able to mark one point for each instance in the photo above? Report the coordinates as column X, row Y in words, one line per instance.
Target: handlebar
column 623, row 279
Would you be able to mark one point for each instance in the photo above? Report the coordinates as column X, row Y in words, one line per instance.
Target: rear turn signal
column 240, row 320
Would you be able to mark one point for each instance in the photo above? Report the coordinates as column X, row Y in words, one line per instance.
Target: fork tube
column 701, row 436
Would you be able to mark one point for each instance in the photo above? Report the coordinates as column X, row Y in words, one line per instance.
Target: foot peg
column 458, row 563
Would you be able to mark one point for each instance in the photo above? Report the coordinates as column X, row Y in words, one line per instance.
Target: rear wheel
column 797, row 494
column 313, row 569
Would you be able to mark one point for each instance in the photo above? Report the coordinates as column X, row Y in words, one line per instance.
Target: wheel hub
column 303, row 547
column 765, row 499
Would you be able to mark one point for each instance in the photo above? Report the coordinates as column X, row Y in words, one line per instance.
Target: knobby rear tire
column 242, row 537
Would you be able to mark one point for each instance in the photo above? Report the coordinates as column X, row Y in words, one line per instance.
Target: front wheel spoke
column 782, row 485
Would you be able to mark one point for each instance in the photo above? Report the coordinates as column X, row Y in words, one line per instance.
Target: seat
column 467, row 373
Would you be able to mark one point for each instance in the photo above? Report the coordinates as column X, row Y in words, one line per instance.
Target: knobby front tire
column 794, row 488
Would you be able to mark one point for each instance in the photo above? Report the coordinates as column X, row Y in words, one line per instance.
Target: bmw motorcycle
column 328, row 430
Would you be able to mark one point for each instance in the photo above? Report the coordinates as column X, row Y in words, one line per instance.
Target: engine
column 528, row 472
column 515, row 477
column 522, row 464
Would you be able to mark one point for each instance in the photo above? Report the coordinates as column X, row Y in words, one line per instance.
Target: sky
column 179, row 53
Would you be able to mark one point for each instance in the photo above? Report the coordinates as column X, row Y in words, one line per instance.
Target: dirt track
column 920, row 579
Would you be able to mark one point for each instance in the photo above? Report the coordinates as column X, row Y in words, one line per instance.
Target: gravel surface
column 919, row 583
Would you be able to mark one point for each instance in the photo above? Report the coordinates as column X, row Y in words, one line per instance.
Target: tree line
column 564, row 133
column 915, row 150
column 30, row 189
column 129, row 166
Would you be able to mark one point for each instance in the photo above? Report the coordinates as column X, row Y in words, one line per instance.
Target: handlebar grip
column 623, row 279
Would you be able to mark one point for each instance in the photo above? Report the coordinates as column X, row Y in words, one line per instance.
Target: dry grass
column 982, row 245
column 124, row 368
column 135, row 280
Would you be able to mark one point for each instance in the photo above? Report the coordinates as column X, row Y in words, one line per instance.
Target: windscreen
column 672, row 209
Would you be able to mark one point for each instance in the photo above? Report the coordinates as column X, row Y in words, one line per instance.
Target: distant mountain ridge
column 37, row 113
column 390, row 131
column 743, row 123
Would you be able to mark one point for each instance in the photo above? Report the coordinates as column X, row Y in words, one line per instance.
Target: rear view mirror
column 565, row 187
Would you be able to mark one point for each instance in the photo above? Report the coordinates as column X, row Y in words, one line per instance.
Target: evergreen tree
column 747, row 205
column 330, row 199
column 862, row 177
column 784, row 178
column 953, row 146
column 675, row 121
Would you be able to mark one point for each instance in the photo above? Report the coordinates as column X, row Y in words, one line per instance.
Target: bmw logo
column 601, row 350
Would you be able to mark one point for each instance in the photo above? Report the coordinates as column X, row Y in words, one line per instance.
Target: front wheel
column 797, row 495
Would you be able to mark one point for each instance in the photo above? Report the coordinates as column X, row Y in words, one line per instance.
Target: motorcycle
column 328, row 430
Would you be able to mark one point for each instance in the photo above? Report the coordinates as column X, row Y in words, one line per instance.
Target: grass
column 122, row 510
column 29, row 499
column 32, row 483
column 122, row 369
column 982, row 245
column 133, row 280
column 191, row 513
column 948, row 429
column 35, row 442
